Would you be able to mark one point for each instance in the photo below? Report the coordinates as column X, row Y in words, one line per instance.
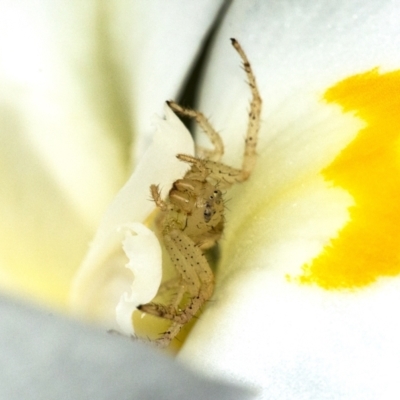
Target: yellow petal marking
column 368, row 247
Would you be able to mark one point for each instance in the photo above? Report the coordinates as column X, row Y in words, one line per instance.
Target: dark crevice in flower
column 191, row 87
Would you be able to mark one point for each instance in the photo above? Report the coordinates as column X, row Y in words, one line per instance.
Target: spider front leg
column 210, row 154
column 156, row 196
column 253, row 127
column 197, row 278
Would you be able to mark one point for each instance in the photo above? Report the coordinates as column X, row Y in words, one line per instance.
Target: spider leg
column 217, row 152
column 250, row 155
column 156, row 196
column 198, row 278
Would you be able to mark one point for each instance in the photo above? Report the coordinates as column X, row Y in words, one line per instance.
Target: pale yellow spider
column 193, row 214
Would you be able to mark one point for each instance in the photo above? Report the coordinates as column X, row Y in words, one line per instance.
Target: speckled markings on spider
column 192, row 216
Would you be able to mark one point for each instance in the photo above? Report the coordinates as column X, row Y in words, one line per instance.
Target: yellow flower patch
column 368, row 247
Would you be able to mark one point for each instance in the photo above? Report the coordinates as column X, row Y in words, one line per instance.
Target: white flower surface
column 71, row 76
column 264, row 327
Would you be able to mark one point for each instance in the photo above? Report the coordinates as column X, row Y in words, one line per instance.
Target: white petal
column 102, row 278
column 291, row 341
column 47, row 74
column 144, row 254
column 68, row 113
column 60, row 165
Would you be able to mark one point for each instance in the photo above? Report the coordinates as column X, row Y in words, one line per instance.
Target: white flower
column 291, row 316
column 102, row 288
